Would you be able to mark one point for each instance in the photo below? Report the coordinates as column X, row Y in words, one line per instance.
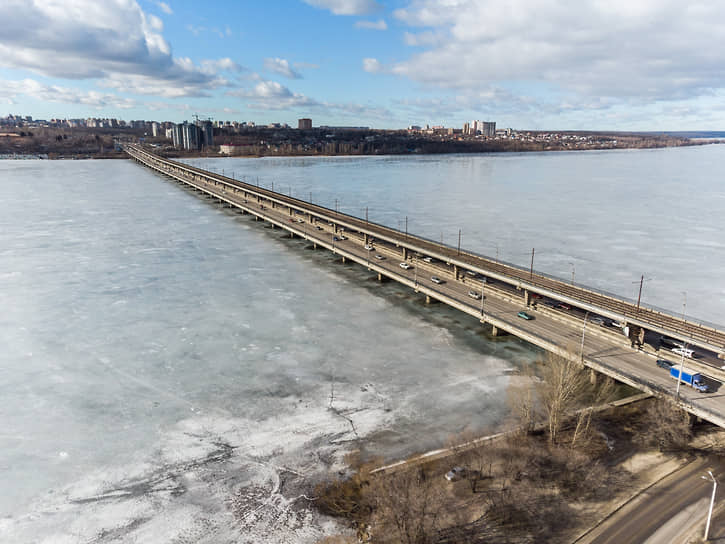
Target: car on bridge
column 369, row 247
column 598, row 320
column 562, row 306
column 523, row 315
column 436, row 279
column 429, row 259
column 405, row 266
column 380, row 257
column 683, row 351
column 474, row 294
column 662, row 363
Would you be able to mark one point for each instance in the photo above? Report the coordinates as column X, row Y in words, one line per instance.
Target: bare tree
column 564, row 382
column 601, row 393
column 667, row 426
column 407, row 507
column 521, row 399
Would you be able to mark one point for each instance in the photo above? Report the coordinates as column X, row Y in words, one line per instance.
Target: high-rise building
column 304, row 124
column 485, row 128
column 466, row 129
column 207, row 133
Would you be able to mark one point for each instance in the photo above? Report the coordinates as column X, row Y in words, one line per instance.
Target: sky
column 525, row 64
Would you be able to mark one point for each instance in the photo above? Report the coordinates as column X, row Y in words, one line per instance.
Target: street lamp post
column 483, row 295
column 682, row 355
column 584, row 329
column 415, row 270
column 712, row 502
column 531, row 270
column 641, row 282
column 573, row 271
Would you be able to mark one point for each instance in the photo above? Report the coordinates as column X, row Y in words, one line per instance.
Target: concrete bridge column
column 365, row 239
column 495, row 331
column 455, row 271
column 405, row 253
column 593, row 377
column 380, row 277
column 343, row 260
column 526, row 297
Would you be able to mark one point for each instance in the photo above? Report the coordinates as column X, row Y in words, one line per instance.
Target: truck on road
column 690, row 377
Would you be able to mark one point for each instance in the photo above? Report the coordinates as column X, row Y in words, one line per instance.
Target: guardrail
column 698, row 333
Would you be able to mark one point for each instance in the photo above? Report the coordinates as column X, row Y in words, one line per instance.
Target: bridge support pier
column 343, row 260
column 380, row 277
column 405, row 253
column 430, row 300
column 526, row 297
column 593, row 377
column 496, row 332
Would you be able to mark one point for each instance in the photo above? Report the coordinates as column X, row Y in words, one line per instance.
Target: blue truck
column 690, row 377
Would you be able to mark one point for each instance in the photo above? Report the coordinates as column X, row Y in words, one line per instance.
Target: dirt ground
column 517, row 489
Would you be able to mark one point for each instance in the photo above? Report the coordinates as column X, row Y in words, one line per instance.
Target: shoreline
column 201, row 155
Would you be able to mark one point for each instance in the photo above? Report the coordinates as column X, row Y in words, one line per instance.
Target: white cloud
column 281, row 67
column 54, row 93
column 372, row 65
column 346, row 7
column 85, row 39
column 380, row 24
column 163, row 6
column 271, row 95
column 198, row 30
column 631, row 50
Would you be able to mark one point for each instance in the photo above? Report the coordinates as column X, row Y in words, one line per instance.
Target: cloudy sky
column 527, row 64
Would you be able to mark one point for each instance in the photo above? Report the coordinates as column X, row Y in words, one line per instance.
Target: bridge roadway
column 600, row 348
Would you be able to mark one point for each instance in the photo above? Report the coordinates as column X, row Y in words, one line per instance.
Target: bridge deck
column 708, row 337
column 604, row 350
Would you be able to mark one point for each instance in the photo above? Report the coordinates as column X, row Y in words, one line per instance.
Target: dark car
column 662, row 363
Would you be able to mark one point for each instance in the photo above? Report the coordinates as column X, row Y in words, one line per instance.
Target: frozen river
column 168, row 366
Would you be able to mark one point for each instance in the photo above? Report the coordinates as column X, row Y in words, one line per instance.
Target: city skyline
column 383, row 64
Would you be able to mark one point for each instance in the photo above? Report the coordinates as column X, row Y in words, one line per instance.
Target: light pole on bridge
column 682, row 355
column 584, row 329
column 641, row 282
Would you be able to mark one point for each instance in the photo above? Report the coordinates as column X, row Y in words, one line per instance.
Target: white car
column 436, row 279
column 379, row 257
column 683, row 351
column 369, row 247
column 475, row 295
column 455, row 474
column 429, row 259
column 405, row 266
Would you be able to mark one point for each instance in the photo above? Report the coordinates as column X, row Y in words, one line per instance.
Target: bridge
column 492, row 291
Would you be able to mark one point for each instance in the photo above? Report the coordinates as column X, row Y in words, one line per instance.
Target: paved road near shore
column 670, row 512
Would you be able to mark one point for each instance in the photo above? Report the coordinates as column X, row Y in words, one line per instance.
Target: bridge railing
column 452, row 252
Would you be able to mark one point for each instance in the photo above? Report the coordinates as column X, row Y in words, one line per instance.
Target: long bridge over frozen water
column 492, row 291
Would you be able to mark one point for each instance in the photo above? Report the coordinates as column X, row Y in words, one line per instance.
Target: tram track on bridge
column 705, row 336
